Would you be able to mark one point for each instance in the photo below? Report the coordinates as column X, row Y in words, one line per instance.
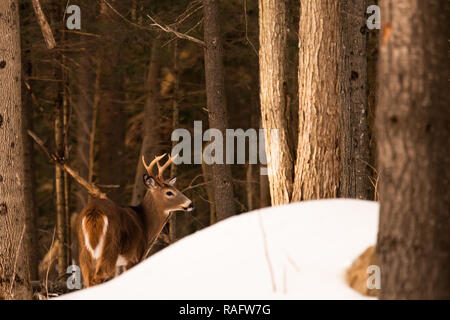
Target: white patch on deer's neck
column 97, row 251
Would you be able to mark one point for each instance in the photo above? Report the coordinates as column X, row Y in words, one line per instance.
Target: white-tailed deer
column 112, row 237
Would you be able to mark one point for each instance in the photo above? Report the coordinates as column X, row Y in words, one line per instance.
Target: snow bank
column 308, row 247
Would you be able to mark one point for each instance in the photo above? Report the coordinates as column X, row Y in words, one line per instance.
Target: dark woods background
column 130, row 84
column 118, row 87
column 138, row 69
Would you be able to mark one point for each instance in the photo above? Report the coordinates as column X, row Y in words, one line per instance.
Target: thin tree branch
column 178, row 34
column 246, row 28
column 156, row 238
column 45, row 27
column 90, row 187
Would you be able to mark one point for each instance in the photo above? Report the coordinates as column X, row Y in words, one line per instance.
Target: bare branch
column 45, row 27
column 152, row 243
column 125, row 19
column 178, row 34
column 91, row 188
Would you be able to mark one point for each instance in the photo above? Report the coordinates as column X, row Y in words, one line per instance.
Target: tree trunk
column 354, row 151
column 217, row 107
column 59, row 187
column 413, row 131
column 249, row 186
column 111, row 124
column 151, row 144
column 175, row 125
column 264, row 190
column 273, row 86
column 207, row 178
column 14, row 271
column 27, row 116
column 59, row 135
column 322, row 97
column 83, row 110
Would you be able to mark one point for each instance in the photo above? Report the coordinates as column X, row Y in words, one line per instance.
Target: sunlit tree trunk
column 14, row 269
column 273, row 86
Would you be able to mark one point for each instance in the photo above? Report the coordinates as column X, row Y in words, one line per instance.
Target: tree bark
column 354, row 150
column 151, row 142
column 217, row 107
column 83, row 110
column 14, row 270
column 249, row 186
column 30, row 182
column 175, row 125
column 61, row 234
column 273, row 86
column 111, row 124
column 412, row 123
column 323, row 95
column 59, row 136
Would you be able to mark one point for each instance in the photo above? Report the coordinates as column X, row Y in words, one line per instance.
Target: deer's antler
column 149, row 168
column 164, row 166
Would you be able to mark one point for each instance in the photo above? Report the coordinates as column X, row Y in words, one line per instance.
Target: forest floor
column 297, row 251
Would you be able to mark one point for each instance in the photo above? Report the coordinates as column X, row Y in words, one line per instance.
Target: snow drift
column 296, row 251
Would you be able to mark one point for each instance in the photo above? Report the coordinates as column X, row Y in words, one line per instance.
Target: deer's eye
column 169, row 193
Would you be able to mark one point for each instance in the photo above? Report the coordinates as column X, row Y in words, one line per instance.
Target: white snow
column 309, row 245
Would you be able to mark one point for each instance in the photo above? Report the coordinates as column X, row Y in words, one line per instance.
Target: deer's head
column 164, row 194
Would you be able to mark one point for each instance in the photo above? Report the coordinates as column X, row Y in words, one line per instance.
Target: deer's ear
column 149, row 181
column 172, row 181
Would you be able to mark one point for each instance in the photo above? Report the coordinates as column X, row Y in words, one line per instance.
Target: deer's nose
column 190, row 207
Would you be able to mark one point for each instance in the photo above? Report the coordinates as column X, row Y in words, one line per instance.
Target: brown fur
column 130, row 230
column 124, row 236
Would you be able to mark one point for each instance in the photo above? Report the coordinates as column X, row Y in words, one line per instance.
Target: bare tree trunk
column 151, row 144
column 273, row 86
column 354, row 180
column 30, row 182
column 14, row 269
column 175, row 125
column 249, row 186
column 111, row 124
column 66, row 147
column 84, row 111
column 217, row 107
column 264, row 191
column 59, row 187
column 94, row 119
column 59, row 135
column 321, row 99
column 207, row 178
column 412, row 123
